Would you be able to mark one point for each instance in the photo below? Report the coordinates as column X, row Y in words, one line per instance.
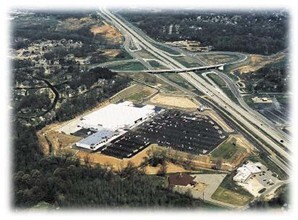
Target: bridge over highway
column 184, row 70
column 180, row 70
column 272, row 140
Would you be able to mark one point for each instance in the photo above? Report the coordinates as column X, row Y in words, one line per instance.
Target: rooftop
column 116, row 116
column 181, row 179
column 94, row 139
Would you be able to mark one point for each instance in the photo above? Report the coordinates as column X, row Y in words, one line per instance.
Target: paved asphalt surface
column 257, row 126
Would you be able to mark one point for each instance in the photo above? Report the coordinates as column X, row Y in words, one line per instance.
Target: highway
column 264, row 122
column 234, row 89
column 268, row 136
column 182, row 70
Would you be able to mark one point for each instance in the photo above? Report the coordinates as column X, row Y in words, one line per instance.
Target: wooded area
column 261, row 32
column 63, row 182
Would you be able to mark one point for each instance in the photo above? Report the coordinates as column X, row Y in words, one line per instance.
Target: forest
column 63, row 182
column 273, row 77
column 260, row 32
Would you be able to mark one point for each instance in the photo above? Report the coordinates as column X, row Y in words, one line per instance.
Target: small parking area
column 261, row 182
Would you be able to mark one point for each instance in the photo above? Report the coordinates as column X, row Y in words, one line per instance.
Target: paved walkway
column 212, row 182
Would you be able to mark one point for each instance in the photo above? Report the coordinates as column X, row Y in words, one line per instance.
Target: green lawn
column 217, row 80
column 230, row 192
column 187, row 61
column 227, row 150
column 223, row 86
column 181, row 82
column 154, row 63
column 218, row 58
column 129, row 66
column 166, row 49
column 231, row 197
column 139, row 96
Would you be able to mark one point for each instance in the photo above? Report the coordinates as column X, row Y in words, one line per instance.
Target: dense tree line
column 39, row 31
column 261, row 32
column 90, row 77
column 34, row 102
column 76, row 105
column 277, row 202
column 270, row 78
column 62, row 181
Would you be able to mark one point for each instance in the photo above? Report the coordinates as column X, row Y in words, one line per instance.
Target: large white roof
column 95, row 139
column 115, row 116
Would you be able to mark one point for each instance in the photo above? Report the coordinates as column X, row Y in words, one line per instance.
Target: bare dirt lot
column 212, row 59
column 52, row 141
column 110, row 32
column 170, row 168
column 256, row 62
column 174, row 101
column 195, row 161
column 111, row 53
column 75, row 23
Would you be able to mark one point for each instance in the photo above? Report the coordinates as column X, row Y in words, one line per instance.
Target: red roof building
column 181, row 179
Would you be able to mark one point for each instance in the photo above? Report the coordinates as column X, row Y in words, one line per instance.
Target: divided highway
column 268, row 136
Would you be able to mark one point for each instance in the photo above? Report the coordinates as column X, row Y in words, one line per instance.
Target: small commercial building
column 246, row 171
column 181, row 179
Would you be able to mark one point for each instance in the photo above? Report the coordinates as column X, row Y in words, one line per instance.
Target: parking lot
column 261, row 182
column 192, row 133
column 266, row 177
column 188, row 132
column 125, row 146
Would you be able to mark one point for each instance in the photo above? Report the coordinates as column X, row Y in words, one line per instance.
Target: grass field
column 227, row 150
column 230, row 192
column 153, row 80
column 156, row 64
column 249, row 101
column 217, row 80
column 232, row 67
column 223, row 86
column 166, row 49
column 135, row 93
column 139, row 96
column 129, row 66
column 124, row 55
column 213, row 58
column 144, row 54
column 229, row 183
column 231, row 197
column 181, row 82
column 187, row 61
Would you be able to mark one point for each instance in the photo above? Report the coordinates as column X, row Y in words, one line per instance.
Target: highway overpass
column 184, row 70
column 264, row 133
